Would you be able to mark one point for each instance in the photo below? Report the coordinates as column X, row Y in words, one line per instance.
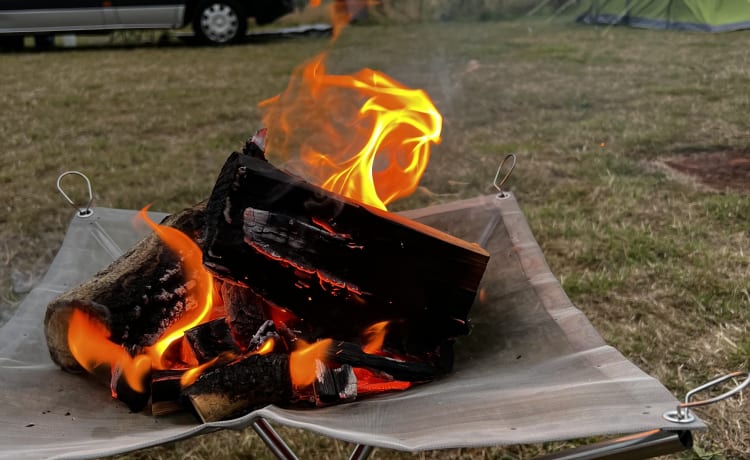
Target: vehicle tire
column 11, row 43
column 218, row 22
column 44, row 41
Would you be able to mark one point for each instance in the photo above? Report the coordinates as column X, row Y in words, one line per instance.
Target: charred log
column 210, row 339
column 137, row 297
column 166, row 392
column 235, row 389
column 334, row 385
column 408, row 371
column 338, row 264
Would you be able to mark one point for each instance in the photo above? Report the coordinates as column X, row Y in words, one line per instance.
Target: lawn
column 657, row 262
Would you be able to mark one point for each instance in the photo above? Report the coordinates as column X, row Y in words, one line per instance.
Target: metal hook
column 81, row 211
column 683, row 415
column 499, row 185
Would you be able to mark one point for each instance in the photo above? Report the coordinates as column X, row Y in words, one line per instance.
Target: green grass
column 659, row 266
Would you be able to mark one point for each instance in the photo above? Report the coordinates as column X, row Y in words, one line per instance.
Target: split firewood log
column 136, row 297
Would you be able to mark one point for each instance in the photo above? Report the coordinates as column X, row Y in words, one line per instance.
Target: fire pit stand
column 532, row 370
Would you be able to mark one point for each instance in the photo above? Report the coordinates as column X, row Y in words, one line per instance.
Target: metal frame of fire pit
column 638, row 446
column 567, row 385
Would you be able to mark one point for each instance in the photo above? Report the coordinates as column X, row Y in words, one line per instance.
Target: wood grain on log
column 137, row 297
column 237, row 388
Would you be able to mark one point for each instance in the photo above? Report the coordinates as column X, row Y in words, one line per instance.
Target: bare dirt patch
column 716, row 170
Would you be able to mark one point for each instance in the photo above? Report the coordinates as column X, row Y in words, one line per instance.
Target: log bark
column 238, row 388
column 137, row 297
column 166, row 392
column 338, row 264
column 208, row 340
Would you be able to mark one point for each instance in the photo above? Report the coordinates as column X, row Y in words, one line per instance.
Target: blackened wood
column 334, row 385
column 137, row 297
column 338, row 264
column 246, row 312
column 240, row 387
column 208, row 340
column 166, row 391
column 408, row 371
column 135, row 400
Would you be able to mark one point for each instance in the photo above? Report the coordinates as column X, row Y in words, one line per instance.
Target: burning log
column 209, row 340
column 166, row 391
column 137, row 297
column 352, row 354
column 237, row 388
column 338, row 264
column 291, row 264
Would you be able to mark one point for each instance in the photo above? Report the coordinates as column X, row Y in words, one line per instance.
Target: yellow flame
column 199, row 305
column 365, row 136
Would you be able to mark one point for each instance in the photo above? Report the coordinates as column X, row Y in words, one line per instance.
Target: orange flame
column 199, row 303
column 364, row 136
column 374, row 336
column 302, row 361
column 88, row 338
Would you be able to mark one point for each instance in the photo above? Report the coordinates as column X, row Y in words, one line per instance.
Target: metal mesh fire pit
column 532, row 370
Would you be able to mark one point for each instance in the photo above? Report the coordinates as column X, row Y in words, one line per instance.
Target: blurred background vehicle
column 213, row 21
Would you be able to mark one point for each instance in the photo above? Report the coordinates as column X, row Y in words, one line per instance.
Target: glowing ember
column 302, row 362
column 364, row 136
column 370, row 383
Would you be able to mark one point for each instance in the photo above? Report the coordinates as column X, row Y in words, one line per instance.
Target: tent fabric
column 532, row 370
column 695, row 15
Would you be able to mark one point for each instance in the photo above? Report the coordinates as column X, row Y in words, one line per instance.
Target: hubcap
column 219, row 22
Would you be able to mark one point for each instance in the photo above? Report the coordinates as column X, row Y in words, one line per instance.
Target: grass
column 659, row 266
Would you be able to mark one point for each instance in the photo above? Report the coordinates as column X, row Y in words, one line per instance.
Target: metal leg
column 638, row 446
column 644, row 445
column 273, row 440
column 361, row 452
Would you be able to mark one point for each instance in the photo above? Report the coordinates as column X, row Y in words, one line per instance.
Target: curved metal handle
column 81, row 211
column 682, row 413
column 498, row 184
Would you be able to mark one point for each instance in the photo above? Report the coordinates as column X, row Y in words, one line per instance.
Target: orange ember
column 302, row 362
column 364, row 136
column 370, row 383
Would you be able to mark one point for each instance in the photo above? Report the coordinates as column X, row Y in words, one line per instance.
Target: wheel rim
column 219, row 22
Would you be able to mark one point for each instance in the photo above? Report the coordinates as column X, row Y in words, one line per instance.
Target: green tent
column 698, row 15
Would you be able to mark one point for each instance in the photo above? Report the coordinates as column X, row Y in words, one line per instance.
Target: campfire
column 286, row 288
